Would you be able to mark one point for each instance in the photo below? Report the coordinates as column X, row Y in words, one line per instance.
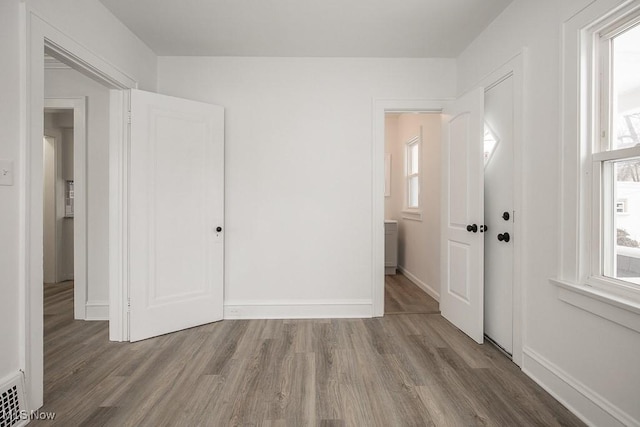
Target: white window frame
column 412, row 212
column 603, row 193
column 580, row 279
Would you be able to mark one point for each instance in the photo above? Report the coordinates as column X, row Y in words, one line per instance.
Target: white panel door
column 176, row 208
column 461, row 296
column 498, row 185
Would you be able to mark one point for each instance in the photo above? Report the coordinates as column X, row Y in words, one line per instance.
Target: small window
column 412, row 148
column 490, row 144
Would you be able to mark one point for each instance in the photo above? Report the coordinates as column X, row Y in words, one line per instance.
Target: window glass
column 626, row 89
column 413, row 154
column 625, row 264
column 413, row 192
column 490, row 144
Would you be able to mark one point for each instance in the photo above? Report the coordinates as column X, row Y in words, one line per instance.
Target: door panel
column 498, row 186
column 461, row 296
column 175, row 204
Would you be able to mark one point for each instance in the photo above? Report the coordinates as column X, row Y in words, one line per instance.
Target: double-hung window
column 599, row 265
column 615, row 153
column 412, row 150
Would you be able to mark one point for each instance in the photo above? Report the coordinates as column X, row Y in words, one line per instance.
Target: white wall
column 10, row 272
column 298, row 166
column 68, row 83
column 50, row 237
column 419, row 240
column 60, row 126
column 561, row 341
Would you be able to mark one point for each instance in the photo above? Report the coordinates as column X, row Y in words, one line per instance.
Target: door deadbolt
column 506, row 216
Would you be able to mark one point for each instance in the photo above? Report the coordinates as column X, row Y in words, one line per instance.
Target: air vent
column 12, row 403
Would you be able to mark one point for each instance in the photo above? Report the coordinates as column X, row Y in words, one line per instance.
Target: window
column 599, row 214
column 412, row 149
column 490, row 144
column 616, row 153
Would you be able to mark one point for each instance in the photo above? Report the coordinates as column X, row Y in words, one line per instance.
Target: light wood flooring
column 400, row 370
column 401, row 296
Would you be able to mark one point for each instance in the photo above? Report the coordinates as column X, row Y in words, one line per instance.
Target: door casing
column 41, row 37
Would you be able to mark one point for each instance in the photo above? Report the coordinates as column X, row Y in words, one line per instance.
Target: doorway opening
column 412, row 212
column 43, row 38
column 463, row 231
column 58, row 195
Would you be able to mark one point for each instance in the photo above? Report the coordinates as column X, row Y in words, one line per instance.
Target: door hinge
column 129, row 117
column 128, row 305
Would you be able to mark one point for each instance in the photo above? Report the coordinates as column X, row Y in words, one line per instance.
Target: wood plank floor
column 401, row 296
column 400, row 370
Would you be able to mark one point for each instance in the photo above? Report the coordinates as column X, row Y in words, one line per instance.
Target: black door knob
column 483, row 228
column 506, row 216
column 472, row 228
column 504, row 237
column 218, row 229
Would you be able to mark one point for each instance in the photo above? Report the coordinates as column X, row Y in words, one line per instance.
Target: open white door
column 462, row 292
column 176, row 208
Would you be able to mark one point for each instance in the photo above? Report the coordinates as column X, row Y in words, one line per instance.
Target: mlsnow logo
column 26, row 415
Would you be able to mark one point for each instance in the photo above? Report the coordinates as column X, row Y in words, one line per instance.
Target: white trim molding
column 419, row 283
column 615, row 308
column 97, row 310
column 293, row 309
column 584, row 402
column 38, row 37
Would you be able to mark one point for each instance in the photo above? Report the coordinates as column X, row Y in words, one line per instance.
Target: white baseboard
column 585, row 403
column 298, row 309
column 66, row 277
column 419, row 283
column 97, row 310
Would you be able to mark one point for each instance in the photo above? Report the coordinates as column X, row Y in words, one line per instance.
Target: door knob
column 472, row 228
column 504, row 237
column 218, row 229
column 506, row 216
column 483, row 228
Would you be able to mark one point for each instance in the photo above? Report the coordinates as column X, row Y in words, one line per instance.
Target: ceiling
column 327, row 28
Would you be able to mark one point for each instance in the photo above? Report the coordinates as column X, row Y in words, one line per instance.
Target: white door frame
column 380, row 108
column 39, row 37
column 78, row 106
column 515, row 68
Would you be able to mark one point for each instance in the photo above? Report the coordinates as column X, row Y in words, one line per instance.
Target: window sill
column 412, row 215
column 619, row 309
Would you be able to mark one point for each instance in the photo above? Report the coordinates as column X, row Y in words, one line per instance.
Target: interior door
column 498, row 184
column 176, row 208
column 461, row 296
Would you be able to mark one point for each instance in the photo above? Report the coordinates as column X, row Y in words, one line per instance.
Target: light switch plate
column 6, row 172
